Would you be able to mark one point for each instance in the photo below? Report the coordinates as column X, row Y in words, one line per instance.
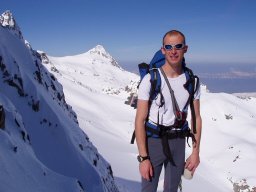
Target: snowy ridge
column 42, row 142
column 94, row 70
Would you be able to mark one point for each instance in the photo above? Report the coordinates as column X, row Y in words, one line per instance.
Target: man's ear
column 163, row 50
column 185, row 49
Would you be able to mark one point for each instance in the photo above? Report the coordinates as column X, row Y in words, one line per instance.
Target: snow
column 82, row 126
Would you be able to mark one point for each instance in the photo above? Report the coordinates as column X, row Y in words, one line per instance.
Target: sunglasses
column 177, row 46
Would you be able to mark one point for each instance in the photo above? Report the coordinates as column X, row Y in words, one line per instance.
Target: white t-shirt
column 166, row 115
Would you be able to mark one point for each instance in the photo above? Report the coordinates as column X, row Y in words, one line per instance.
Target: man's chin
column 175, row 63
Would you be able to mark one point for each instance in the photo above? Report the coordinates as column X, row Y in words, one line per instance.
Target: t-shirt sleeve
column 144, row 88
column 198, row 92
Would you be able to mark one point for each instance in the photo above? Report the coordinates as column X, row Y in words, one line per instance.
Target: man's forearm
column 196, row 148
column 140, row 134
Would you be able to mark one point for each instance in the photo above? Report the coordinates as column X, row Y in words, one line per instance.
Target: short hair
column 175, row 32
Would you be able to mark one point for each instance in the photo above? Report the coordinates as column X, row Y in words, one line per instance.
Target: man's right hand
column 146, row 169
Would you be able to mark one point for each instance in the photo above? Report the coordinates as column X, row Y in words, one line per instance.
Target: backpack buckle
column 180, row 115
column 180, row 119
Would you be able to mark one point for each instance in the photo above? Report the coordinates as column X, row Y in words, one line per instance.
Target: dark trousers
column 172, row 174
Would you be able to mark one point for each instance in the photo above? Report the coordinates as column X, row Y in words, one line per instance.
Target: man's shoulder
column 146, row 78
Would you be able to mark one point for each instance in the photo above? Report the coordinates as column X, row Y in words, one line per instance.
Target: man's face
column 174, row 53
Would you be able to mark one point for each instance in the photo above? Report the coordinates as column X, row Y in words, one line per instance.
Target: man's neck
column 172, row 71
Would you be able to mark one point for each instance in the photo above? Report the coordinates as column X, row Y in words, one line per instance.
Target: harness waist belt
column 166, row 133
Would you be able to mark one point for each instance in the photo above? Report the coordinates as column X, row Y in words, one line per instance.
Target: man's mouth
column 174, row 57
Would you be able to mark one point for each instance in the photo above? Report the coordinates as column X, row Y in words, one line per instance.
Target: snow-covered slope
column 42, row 145
column 228, row 141
column 227, row 148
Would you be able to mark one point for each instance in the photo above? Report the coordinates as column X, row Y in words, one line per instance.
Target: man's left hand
column 192, row 162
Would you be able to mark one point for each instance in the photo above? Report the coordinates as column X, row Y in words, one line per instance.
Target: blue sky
column 217, row 31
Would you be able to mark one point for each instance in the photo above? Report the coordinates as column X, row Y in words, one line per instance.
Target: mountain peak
column 7, row 20
column 99, row 51
column 100, row 48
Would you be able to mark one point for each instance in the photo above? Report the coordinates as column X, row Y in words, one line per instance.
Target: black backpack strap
column 133, row 137
column 193, row 115
column 193, row 81
column 153, row 81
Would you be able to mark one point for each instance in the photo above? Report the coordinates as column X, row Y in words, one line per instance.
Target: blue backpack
column 191, row 85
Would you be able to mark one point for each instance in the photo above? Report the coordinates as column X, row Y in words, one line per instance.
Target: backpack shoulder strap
column 192, row 85
column 155, row 81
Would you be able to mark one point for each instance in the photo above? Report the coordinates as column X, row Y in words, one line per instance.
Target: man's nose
column 173, row 51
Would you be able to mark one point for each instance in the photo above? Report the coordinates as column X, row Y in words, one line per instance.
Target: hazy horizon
column 226, row 77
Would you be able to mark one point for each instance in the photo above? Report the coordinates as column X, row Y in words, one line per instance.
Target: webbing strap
column 166, row 149
column 133, row 137
column 193, row 114
column 175, row 105
column 194, row 81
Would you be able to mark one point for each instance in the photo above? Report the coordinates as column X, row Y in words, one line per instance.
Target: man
column 151, row 153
